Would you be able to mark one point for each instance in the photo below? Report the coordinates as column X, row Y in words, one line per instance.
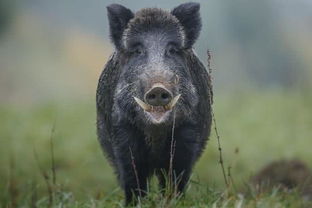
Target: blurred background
column 52, row 53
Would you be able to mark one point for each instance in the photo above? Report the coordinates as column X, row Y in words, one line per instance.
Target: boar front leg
column 181, row 159
column 131, row 162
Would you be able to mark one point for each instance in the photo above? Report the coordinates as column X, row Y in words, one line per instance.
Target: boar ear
column 118, row 17
column 189, row 17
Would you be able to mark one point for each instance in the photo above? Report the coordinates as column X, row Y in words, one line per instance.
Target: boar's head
column 152, row 46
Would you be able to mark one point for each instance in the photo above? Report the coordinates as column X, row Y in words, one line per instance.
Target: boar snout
column 158, row 95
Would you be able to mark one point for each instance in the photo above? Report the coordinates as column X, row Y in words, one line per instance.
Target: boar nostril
column 164, row 95
column 158, row 96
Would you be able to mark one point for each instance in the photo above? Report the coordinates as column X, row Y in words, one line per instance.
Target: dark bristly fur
column 153, row 45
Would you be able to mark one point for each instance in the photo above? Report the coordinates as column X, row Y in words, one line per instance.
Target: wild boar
column 153, row 97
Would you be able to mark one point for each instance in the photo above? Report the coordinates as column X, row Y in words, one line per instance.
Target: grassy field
column 255, row 129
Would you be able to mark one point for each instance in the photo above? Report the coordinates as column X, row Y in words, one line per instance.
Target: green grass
column 255, row 129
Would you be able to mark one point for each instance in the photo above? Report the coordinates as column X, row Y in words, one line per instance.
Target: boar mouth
column 157, row 112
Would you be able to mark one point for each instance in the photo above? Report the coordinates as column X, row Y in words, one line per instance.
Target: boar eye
column 136, row 49
column 172, row 49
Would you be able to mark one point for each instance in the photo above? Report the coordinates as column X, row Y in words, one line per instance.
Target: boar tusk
column 142, row 104
column 173, row 102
